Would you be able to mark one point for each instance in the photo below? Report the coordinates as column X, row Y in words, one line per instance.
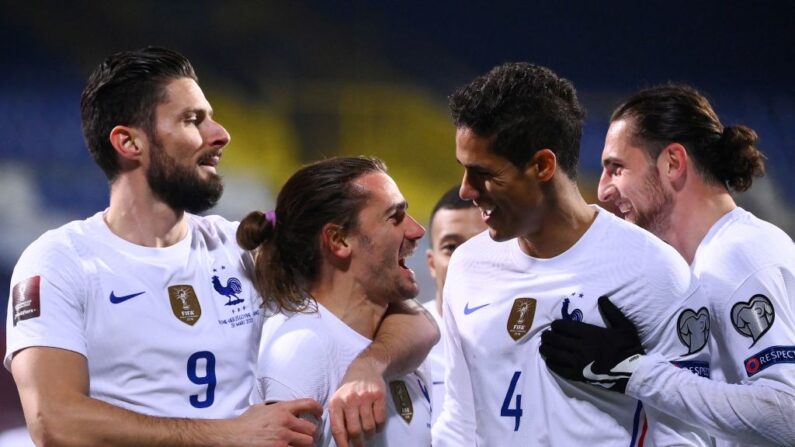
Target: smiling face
column 509, row 198
column 186, row 147
column 632, row 182
column 384, row 237
column 450, row 228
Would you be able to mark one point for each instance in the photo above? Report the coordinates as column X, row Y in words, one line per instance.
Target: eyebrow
column 196, row 110
column 400, row 206
column 610, row 160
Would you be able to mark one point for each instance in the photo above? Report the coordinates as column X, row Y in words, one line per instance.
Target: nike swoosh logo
column 468, row 310
column 621, row 371
column 120, row 299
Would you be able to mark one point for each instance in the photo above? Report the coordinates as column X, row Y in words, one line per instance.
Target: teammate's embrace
column 547, row 255
column 333, row 258
column 669, row 165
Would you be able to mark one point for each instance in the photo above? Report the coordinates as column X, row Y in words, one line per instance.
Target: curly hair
column 523, row 108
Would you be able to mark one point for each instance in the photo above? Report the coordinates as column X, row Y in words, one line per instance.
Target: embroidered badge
column 693, row 329
column 230, row 290
column 520, row 320
column 575, row 314
column 754, row 318
column 26, row 299
column 402, row 399
column 769, row 357
column 185, row 303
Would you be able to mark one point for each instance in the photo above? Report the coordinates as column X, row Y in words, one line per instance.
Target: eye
column 448, row 248
column 398, row 217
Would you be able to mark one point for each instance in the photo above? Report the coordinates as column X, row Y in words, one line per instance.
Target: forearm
column 403, row 341
column 83, row 421
column 751, row 413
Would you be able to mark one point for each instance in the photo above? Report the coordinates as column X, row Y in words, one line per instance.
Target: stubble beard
column 656, row 216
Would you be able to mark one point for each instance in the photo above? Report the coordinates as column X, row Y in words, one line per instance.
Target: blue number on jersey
column 207, row 379
column 506, row 410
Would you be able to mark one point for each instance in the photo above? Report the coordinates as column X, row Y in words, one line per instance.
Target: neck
column 136, row 216
column 348, row 302
column 566, row 218
column 695, row 211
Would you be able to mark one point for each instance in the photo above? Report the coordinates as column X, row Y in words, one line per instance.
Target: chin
column 498, row 236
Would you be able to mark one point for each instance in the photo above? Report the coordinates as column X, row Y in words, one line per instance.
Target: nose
column 606, row 190
column 415, row 230
column 217, row 136
column 467, row 191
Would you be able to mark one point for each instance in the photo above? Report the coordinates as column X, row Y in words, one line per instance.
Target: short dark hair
column 124, row 90
column 671, row 113
column 524, row 108
column 449, row 201
column 288, row 253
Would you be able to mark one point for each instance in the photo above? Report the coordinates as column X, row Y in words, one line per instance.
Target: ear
column 431, row 264
column 128, row 141
column 672, row 163
column 335, row 240
column 542, row 165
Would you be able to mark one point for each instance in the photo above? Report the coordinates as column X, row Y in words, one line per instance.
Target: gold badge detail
column 521, row 318
column 400, row 394
column 185, row 303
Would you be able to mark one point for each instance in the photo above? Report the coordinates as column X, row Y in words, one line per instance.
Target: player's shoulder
column 637, row 245
column 214, row 227
column 747, row 240
column 60, row 242
column 299, row 332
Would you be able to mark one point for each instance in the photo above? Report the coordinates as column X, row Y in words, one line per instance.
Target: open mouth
column 403, row 255
column 211, row 159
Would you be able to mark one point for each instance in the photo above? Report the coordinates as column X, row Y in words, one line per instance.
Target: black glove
column 597, row 355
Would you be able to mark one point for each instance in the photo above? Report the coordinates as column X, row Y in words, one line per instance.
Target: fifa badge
column 521, row 317
column 185, row 303
column 400, row 394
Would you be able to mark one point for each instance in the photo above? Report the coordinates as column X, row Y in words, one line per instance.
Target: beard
column 181, row 187
column 655, row 217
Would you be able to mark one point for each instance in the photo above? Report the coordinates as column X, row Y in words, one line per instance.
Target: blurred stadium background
column 301, row 80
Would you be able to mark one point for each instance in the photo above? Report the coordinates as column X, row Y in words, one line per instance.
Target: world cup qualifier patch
column 768, row 357
column 26, row 298
column 753, row 318
column 693, row 329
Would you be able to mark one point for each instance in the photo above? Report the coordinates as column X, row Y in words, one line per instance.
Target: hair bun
column 255, row 229
column 739, row 158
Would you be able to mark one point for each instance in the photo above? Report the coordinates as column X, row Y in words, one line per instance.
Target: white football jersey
column 307, row 355
column 165, row 331
column 747, row 267
column 498, row 301
column 436, row 361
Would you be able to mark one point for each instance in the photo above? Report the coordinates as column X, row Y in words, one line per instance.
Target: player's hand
column 358, row 408
column 600, row 356
column 277, row 424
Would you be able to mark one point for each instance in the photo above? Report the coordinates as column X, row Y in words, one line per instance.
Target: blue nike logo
column 468, row 310
column 120, row 299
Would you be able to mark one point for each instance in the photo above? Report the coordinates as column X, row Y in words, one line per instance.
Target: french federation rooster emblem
column 232, row 288
column 575, row 315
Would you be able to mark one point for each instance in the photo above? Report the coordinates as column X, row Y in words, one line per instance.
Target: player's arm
column 53, row 386
column 404, row 338
column 744, row 413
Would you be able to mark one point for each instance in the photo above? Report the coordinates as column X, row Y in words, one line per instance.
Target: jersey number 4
column 506, row 410
column 208, row 378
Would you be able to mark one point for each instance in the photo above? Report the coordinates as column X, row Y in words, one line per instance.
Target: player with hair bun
column 670, row 166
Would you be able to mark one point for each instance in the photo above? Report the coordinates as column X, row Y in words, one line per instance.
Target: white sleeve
column 681, row 335
column 456, row 424
column 46, row 300
column 292, row 365
column 737, row 412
